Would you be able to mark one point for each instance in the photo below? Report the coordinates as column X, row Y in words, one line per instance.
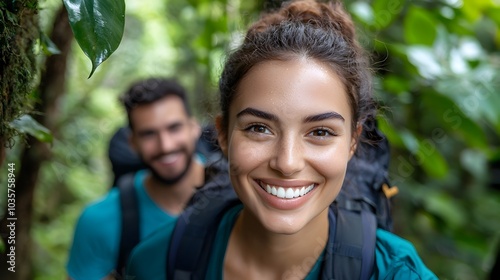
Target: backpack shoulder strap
column 352, row 254
column 130, row 232
column 193, row 236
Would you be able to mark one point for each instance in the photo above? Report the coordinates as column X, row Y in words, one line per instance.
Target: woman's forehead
column 299, row 84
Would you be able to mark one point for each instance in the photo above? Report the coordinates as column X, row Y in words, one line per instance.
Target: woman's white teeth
column 289, row 192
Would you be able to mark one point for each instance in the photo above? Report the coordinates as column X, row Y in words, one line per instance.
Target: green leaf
column 98, row 27
column 431, row 159
column 424, row 153
column 453, row 120
column 494, row 14
column 386, row 11
column 410, row 141
column 396, row 84
column 49, row 48
column 26, row 124
column 445, row 206
column 419, row 27
column 390, row 132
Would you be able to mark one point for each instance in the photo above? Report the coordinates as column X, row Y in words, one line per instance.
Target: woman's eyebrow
column 324, row 116
column 257, row 113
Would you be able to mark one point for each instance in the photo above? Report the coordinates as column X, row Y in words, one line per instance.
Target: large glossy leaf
column 98, row 27
column 26, row 124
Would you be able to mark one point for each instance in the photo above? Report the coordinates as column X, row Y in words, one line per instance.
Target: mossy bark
column 19, row 30
column 50, row 89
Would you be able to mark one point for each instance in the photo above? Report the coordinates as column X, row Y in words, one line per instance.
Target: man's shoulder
column 103, row 210
column 94, row 248
column 397, row 258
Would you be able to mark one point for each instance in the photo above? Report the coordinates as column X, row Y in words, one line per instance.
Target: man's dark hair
column 147, row 91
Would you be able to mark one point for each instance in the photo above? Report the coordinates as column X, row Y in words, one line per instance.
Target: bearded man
column 164, row 135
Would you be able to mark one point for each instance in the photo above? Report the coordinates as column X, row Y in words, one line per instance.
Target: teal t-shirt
column 94, row 252
column 216, row 265
column 395, row 257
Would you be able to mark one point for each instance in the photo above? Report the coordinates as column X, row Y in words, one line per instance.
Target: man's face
column 165, row 137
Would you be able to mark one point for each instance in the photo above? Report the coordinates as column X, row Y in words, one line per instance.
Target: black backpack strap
column 130, row 232
column 353, row 250
column 192, row 239
column 327, row 267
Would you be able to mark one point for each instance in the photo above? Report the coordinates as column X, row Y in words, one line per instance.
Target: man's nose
column 166, row 142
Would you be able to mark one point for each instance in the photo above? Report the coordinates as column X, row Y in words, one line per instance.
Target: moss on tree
column 19, row 31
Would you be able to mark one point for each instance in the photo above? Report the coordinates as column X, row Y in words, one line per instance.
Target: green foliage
column 419, row 27
column 97, row 26
column 437, row 67
column 49, row 48
column 18, row 33
column 26, row 124
column 438, row 73
column 213, row 26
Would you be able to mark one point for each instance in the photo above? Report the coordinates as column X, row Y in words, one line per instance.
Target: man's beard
column 171, row 180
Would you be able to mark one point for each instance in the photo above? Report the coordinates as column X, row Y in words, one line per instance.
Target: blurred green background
column 437, row 67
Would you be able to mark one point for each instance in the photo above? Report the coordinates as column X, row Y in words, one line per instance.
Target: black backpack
column 362, row 206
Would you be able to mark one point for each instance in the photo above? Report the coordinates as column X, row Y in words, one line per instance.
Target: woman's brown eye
column 322, row 133
column 258, row 129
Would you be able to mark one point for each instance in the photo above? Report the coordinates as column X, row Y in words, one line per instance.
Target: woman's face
column 288, row 142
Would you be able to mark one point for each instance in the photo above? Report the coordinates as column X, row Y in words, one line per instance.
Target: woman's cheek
column 245, row 155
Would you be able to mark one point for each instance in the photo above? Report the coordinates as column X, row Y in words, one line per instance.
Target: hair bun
column 329, row 15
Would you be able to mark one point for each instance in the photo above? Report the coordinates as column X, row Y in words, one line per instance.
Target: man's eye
column 175, row 127
column 146, row 134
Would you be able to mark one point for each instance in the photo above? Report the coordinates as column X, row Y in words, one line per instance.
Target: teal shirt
column 94, row 252
column 395, row 257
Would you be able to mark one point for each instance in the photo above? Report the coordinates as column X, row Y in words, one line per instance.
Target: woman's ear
column 221, row 134
column 355, row 138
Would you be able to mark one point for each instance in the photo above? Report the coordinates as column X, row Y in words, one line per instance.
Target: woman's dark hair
column 321, row 31
column 151, row 90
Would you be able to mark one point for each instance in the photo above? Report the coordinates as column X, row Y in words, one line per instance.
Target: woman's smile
column 285, row 196
column 287, row 193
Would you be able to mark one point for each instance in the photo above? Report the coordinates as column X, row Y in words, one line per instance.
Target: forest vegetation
column 437, row 81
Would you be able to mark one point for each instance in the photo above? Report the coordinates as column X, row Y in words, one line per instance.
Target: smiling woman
column 294, row 98
column 303, row 123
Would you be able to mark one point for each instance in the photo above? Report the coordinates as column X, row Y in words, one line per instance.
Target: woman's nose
column 288, row 157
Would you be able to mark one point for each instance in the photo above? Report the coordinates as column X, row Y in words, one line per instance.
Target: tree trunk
column 18, row 34
column 52, row 87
